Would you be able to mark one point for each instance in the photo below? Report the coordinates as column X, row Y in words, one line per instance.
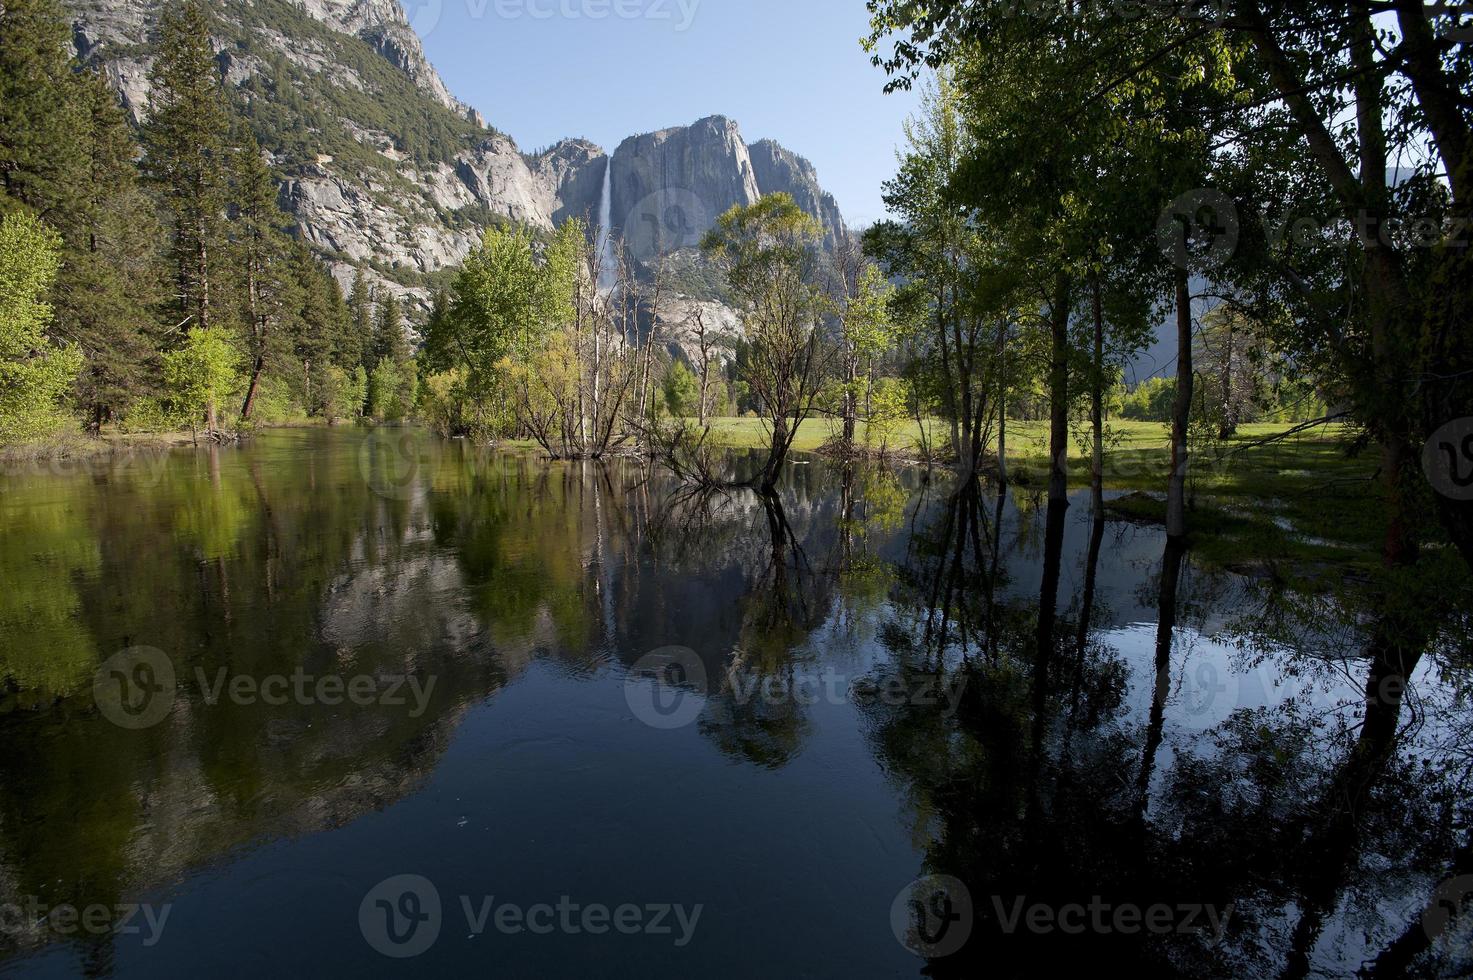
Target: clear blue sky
column 789, row 70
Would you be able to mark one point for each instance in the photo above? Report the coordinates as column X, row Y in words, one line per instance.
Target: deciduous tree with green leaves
column 866, row 332
column 200, row 375
column 767, row 252
column 35, row 375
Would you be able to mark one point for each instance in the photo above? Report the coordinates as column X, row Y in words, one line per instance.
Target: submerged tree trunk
column 1166, row 614
column 1181, row 410
column 776, row 455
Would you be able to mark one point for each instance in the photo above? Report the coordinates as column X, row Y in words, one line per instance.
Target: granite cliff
column 382, row 167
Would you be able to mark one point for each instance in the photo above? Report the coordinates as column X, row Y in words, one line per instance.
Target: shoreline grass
column 1254, row 503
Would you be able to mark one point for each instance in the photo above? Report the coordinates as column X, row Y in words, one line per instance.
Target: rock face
column 780, row 170
column 378, row 193
column 670, row 186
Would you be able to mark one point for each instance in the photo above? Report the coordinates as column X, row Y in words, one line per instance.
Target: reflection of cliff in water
column 445, row 564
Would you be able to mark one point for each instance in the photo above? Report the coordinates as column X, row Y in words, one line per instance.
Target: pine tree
column 41, row 129
column 360, row 307
column 388, row 335
column 436, row 353
column 187, row 157
column 259, row 253
column 111, row 281
column 393, row 361
column 318, row 316
column 67, row 154
column 345, row 349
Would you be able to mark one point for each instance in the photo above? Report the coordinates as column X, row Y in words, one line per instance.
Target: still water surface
column 611, row 729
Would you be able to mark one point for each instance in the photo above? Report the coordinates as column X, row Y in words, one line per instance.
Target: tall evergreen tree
column 388, row 334
column 394, row 379
column 353, row 349
column 321, row 315
column 67, row 154
column 41, row 129
column 111, row 281
column 259, row 253
column 186, row 137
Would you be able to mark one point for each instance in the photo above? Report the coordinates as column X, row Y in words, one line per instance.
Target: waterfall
column 607, row 263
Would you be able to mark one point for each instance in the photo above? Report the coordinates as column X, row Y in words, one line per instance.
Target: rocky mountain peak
column 670, row 186
column 407, row 187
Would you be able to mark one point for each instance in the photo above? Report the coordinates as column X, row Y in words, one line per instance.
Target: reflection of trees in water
column 257, row 570
column 1308, row 824
column 752, row 713
column 801, row 560
column 1048, row 783
column 453, row 564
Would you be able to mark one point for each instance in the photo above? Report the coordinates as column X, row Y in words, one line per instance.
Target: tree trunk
column 1097, row 407
column 204, row 281
column 776, row 455
column 1058, row 485
column 705, row 386
column 1181, row 410
column 258, row 364
column 851, row 401
column 1229, row 427
column 1002, row 401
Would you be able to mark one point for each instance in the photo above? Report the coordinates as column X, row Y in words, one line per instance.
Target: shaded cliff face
column 380, row 163
column 670, row 186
